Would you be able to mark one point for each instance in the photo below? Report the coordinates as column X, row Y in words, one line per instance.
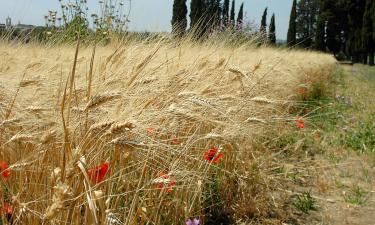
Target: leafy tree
column 225, row 15
column 291, row 38
column 272, row 31
column 367, row 31
column 179, row 21
column 232, row 13
column 240, row 17
column 263, row 24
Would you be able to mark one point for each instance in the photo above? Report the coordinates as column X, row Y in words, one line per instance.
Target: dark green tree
column 263, row 24
column 307, row 13
column 225, row 15
column 179, row 21
column 367, row 32
column 291, row 38
column 232, row 13
column 320, row 39
column 272, row 31
column 354, row 47
column 332, row 22
column 215, row 12
column 373, row 20
column 240, row 17
column 197, row 8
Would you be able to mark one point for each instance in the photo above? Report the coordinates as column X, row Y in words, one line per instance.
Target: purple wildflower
column 195, row 221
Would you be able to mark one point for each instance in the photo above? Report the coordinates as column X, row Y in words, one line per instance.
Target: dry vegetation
column 151, row 111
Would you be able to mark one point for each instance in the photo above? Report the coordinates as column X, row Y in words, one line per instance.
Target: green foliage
column 362, row 137
column 213, row 204
column 213, row 12
column 72, row 21
column 342, row 27
column 240, row 16
column 196, row 13
column 307, row 13
column 232, row 12
column 77, row 27
column 320, row 44
column 179, row 21
column 305, row 202
column 272, row 31
column 354, row 41
column 225, row 12
column 291, row 38
column 367, row 31
column 334, row 16
column 366, row 176
column 356, row 196
column 263, row 24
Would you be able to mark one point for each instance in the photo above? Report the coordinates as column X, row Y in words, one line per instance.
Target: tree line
column 214, row 15
column 345, row 28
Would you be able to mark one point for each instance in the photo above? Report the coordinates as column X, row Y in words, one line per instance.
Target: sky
column 146, row 15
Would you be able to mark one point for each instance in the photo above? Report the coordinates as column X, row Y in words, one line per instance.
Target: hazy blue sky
column 150, row 15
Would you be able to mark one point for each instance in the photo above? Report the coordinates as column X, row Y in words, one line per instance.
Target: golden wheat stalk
column 100, row 99
column 102, row 126
column 21, row 138
column 262, row 100
column 125, row 142
column 254, row 119
column 118, row 128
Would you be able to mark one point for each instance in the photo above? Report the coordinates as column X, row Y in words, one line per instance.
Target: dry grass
column 145, row 108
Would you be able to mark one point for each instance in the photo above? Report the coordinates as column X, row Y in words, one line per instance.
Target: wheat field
column 122, row 134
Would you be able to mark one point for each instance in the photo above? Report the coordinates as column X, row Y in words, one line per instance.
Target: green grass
column 345, row 113
column 305, row 202
column 361, row 137
column 366, row 176
column 356, row 196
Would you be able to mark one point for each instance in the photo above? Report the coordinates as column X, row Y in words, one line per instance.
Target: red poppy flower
column 213, row 155
column 302, row 90
column 300, row 123
column 7, row 209
column 175, row 141
column 98, row 173
column 164, row 182
column 150, row 130
column 4, row 169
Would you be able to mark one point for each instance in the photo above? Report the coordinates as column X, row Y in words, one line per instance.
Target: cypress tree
column 373, row 21
column 335, row 24
column 179, row 21
column 354, row 40
column 307, row 11
column 225, row 12
column 367, row 32
column 217, row 12
column 291, row 38
column 272, row 31
column 320, row 43
column 240, row 17
column 196, row 13
column 263, row 24
column 232, row 13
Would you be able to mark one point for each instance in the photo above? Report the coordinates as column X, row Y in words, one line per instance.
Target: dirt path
column 341, row 180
